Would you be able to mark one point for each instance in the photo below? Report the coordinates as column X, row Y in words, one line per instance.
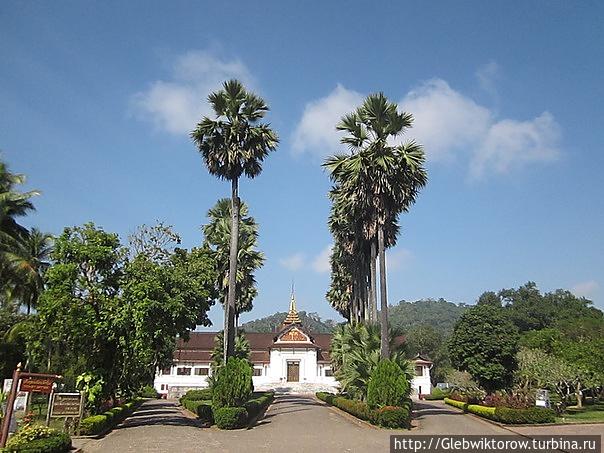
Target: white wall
column 422, row 381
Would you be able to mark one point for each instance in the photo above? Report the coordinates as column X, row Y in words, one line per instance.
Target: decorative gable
column 293, row 335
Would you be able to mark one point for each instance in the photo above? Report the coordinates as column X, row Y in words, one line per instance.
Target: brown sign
column 66, row 405
column 37, row 385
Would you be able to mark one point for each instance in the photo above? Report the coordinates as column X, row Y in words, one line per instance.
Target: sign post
column 33, row 382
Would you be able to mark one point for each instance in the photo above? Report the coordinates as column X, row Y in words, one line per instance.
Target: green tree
column 217, row 235
column 484, row 343
column 233, row 144
column 242, row 348
column 377, row 180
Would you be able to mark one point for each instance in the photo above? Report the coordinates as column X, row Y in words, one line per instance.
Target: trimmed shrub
column 392, row 417
column 509, row 401
column 204, row 413
column 93, row 424
column 325, row 396
column 436, row 394
column 482, row 411
column 522, row 416
column 230, row 417
column 458, row 404
column 388, row 385
column 148, row 391
column 39, row 439
column 198, row 395
column 233, row 385
column 96, row 424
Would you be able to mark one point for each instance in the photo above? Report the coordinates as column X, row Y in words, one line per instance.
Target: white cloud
column 321, row 263
column 293, row 262
column 448, row 123
column 585, row 289
column 316, row 131
column 178, row 104
column 397, row 259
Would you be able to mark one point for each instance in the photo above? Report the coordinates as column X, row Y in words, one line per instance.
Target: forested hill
column 311, row 321
column 440, row 314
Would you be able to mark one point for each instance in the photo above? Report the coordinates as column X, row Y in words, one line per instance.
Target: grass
column 590, row 414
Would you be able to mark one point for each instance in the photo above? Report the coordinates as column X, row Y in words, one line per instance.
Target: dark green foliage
column 259, row 404
column 205, row 413
column 233, row 385
column 58, row 442
column 148, row 391
column 387, row 416
column 440, row 314
column 392, row 417
column 242, row 348
column 485, row 343
column 388, row 385
column 437, row 394
column 230, row 417
column 311, row 321
column 96, row 424
column 198, row 395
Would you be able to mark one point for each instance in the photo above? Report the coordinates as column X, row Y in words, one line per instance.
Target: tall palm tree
column 217, row 235
column 233, row 144
column 13, row 204
column 28, row 264
column 379, row 179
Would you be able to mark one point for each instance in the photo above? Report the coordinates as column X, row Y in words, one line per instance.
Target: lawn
column 590, row 414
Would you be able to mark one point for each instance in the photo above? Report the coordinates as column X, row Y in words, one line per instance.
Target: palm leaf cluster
column 24, row 253
column 355, row 352
column 233, row 144
column 217, row 235
column 374, row 183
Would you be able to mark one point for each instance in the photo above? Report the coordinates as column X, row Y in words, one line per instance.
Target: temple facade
column 290, row 358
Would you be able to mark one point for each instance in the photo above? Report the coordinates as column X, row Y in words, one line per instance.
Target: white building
column 291, row 358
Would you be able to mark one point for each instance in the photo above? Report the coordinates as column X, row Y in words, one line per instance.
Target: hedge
column 205, row 412
column 203, row 409
column 198, row 395
column 437, row 394
column 230, row 417
column 509, row 416
column 96, row 424
column 39, row 440
column 148, row 391
column 256, row 406
column 387, row 416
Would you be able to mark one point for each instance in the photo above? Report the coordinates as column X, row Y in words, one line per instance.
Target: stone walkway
column 293, row 423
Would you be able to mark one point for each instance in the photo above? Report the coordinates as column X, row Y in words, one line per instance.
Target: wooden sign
column 37, row 385
column 66, row 405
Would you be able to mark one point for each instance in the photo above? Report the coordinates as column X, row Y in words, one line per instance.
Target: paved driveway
column 292, row 424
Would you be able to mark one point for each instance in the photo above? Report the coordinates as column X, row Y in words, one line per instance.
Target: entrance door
column 293, row 371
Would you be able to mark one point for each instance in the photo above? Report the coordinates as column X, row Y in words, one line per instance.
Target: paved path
column 293, row 423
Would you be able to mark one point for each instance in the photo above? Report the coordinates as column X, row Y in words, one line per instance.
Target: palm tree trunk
column 372, row 282
column 384, row 350
column 230, row 334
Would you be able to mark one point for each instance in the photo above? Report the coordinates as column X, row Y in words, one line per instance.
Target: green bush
column 230, row 417
column 436, row 394
column 482, row 411
column 198, row 395
column 93, row 424
column 388, row 385
column 458, row 404
column 533, row 415
column 96, row 424
column 39, row 439
column 148, row 391
column 233, row 385
column 257, row 405
column 204, row 413
column 392, row 417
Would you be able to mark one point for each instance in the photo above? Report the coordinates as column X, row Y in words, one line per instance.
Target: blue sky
column 96, row 99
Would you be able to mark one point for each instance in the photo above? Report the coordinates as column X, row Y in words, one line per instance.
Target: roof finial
column 292, row 316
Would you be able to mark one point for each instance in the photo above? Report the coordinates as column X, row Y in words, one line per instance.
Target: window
column 419, row 370
column 166, row 371
column 202, row 371
column 328, row 372
column 257, row 371
column 183, row 371
column 164, row 387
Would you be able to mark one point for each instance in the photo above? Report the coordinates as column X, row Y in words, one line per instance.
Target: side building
column 291, row 358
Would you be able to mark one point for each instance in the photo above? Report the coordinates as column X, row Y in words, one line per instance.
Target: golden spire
column 292, row 315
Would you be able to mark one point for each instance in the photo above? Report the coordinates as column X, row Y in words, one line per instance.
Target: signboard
column 36, row 384
column 66, row 405
column 542, row 398
column 7, row 385
column 20, row 402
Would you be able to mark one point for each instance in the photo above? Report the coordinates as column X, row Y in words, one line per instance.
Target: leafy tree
column 484, row 343
column 489, row 298
column 12, row 348
column 218, row 238
column 375, row 183
column 440, row 314
column 233, row 144
column 242, row 348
